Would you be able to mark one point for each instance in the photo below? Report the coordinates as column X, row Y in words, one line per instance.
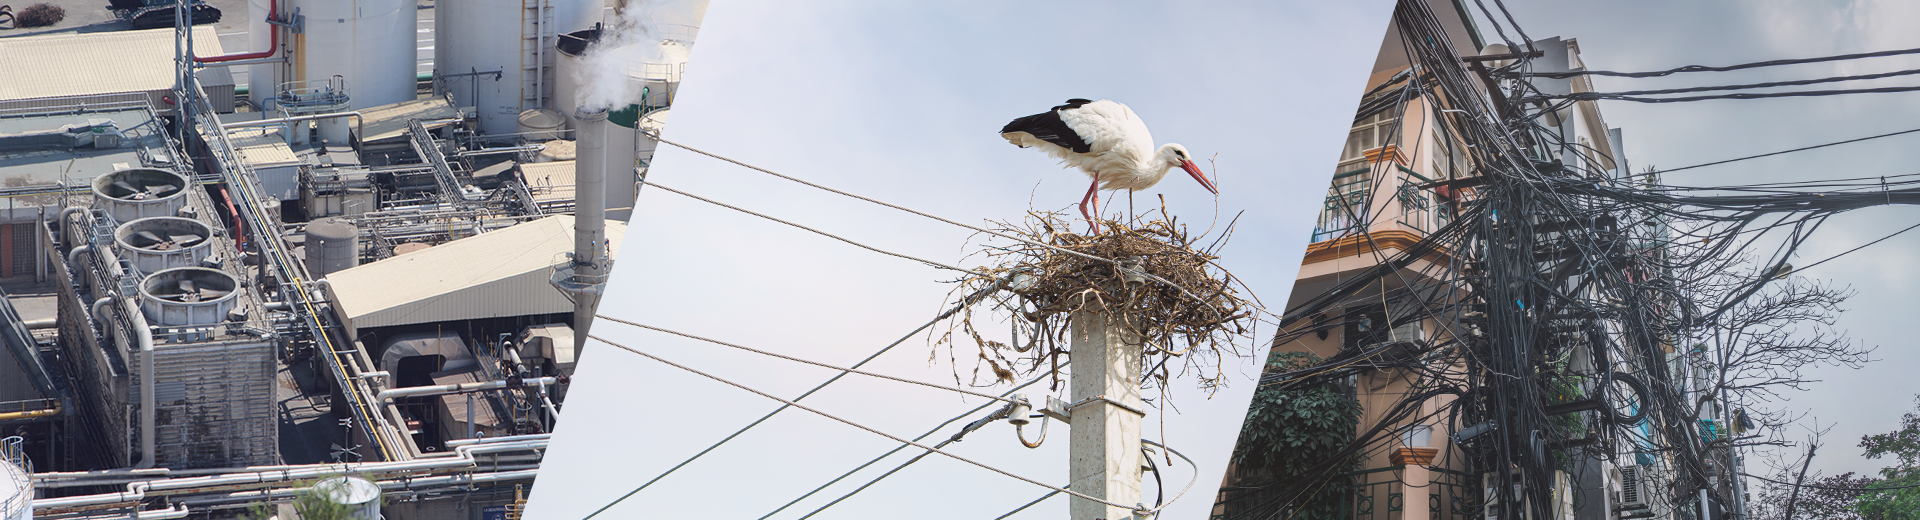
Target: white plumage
column 1105, row 140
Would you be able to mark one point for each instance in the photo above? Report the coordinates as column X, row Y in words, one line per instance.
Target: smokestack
column 589, row 217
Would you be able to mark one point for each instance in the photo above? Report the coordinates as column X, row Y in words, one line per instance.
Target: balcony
column 1377, row 494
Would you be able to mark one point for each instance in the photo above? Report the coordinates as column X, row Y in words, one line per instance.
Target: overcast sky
column 903, row 101
column 1657, row 35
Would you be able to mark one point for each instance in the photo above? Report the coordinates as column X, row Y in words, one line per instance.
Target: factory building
column 305, row 256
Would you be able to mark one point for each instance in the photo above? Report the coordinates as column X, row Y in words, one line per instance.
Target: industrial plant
column 353, row 260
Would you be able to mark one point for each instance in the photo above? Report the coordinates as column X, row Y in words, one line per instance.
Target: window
column 1367, row 134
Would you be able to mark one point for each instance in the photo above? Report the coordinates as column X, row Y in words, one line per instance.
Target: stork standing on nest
column 1106, row 140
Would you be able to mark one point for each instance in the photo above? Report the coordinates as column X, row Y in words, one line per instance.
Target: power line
column 798, row 360
column 816, row 231
column 1135, row 508
column 1156, row 278
column 1588, row 96
column 1705, row 68
column 1785, row 83
column 1801, row 149
column 962, row 305
column 1862, row 246
column 1042, row 498
column 850, row 472
column 1831, row 488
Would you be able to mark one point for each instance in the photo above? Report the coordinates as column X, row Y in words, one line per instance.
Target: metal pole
column 1104, row 448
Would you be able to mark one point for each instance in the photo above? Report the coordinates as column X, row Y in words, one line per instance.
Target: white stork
column 1106, row 140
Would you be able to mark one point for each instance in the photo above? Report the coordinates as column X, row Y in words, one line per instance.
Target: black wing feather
column 1047, row 126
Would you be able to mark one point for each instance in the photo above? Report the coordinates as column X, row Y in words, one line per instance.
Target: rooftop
column 67, row 65
column 49, row 149
column 497, row 274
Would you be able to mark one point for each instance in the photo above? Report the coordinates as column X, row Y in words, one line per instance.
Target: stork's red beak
column 1202, row 177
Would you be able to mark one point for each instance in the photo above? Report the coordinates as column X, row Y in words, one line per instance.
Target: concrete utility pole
column 1105, row 446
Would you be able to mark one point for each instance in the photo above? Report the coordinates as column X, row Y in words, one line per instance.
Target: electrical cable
column 868, row 429
column 964, row 302
column 1831, row 488
column 889, row 453
column 1705, row 68
column 816, row 231
column 798, row 360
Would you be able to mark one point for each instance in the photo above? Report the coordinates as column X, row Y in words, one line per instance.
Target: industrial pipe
column 177, row 511
column 257, row 61
column 47, row 323
column 273, row 41
column 65, row 215
column 73, row 257
column 33, row 414
column 97, row 304
column 144, row 334
column 418, row 391
column 137, row 491
column 359, row 121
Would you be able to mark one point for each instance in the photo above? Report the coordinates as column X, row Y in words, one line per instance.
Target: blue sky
column 901, row 101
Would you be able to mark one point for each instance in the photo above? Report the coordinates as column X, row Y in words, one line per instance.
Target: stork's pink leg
column 1093, row 194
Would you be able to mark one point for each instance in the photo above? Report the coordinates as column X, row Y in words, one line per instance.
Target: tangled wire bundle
column 1185, row 308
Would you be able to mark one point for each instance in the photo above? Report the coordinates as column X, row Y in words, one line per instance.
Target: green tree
column 1289, row 430
column 1904, row 447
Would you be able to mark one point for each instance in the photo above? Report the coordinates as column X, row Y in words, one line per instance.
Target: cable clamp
column 1065, row 409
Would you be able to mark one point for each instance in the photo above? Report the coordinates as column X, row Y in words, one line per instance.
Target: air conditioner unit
column 1635, row 486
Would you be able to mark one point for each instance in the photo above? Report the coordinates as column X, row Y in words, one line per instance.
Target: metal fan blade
column 162, row 189
column 186, row 240
column 150, row 236
column 186, row 286
column 212, row 294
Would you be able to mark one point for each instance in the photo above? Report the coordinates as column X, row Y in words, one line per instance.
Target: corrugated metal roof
column 390, row 121
column 263, row 147
column 60, row 65
column 498, row 274
column 549, row 181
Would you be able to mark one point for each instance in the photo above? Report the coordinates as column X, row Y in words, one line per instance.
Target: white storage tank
column 333, row 244
column 370, row 43
column 139, row 193
column 16, row 484
column 156, row 244
column 362, row 497
column 542, row 124
column 505, row 36
column 185, row 296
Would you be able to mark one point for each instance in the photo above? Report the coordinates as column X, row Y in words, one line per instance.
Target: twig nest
column 1148, row 277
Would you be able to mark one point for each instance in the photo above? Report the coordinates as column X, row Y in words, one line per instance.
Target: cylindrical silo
column 16, row 488
column 263, row 81
column 371, row 43
column 362, row 497
column 476, row 38
column 542, row 124
column 333, row 244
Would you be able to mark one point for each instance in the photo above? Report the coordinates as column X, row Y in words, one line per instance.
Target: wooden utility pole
column 1105, row 447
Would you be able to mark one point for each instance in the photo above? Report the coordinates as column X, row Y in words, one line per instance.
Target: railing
column 1417, row 206
column 1375, row 494
column 321, row 95
column 15, row 505
column 1450, row 495
column 1344, row 211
